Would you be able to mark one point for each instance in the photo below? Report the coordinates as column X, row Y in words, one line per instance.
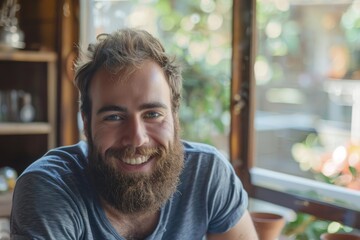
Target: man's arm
column 243, row 230
column 42, row 209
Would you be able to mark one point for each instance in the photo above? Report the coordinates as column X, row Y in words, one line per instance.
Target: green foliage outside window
column 198, row 33
column 308, row 227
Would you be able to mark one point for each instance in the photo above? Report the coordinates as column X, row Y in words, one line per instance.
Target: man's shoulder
column 203, row 149
column 205, row 156
column 61, row 160
column 197, row 147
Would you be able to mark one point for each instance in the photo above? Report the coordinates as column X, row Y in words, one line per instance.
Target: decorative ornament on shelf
column 27, row 112
column 11, row 36
column 8, row 178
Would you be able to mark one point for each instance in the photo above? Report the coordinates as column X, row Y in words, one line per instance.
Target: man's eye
column 113, row 117
column 150, row 115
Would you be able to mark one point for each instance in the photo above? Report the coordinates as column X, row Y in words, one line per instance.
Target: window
column 295, row 105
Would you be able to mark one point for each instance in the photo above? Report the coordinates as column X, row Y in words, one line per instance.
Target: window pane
column 307, row 73
column 198, row 33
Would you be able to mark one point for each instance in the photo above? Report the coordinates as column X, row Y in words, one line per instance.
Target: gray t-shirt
column 53, row 198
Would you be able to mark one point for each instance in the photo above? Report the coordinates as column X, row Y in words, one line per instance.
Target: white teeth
column 135, row 161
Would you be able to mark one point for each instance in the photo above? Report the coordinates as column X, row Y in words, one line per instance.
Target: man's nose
column 135, row 133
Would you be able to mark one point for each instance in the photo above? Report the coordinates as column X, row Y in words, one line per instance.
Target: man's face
column 135, row 155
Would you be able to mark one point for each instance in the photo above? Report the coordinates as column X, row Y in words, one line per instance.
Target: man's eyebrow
column 112, row 108
column 117, row 108
column 153, row 105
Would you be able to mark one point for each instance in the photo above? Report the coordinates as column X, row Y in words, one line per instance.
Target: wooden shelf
column 34, row 57
column 28, row 56
column 24, row 128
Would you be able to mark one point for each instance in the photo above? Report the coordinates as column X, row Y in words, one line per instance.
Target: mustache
column 130, row 152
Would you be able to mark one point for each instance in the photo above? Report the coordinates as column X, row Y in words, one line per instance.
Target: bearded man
column 134, row 178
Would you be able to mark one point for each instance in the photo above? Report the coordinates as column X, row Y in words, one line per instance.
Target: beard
column 132, row 193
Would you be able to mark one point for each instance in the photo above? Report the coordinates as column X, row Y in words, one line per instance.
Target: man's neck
column 132, row 226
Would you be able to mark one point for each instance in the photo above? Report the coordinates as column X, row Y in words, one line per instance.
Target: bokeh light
column 273, row 29
column 167, row 23
column 214, row 56
column 198, row 50
column 214, row 21
column 282, row 5
column 334, row 227
column 207, row 6
column 263, row 72
column 187, row 24
column 339, row 155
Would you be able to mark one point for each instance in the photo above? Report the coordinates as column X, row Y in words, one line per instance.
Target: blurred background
column 306, row 83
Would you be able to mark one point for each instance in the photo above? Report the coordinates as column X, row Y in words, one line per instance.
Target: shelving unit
column 34, row 72
column 49, row 37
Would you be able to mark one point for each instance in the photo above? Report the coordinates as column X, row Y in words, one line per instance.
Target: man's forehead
column 149, row 80
column 124, row 74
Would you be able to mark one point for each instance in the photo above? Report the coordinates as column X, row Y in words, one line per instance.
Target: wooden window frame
column 242, row 125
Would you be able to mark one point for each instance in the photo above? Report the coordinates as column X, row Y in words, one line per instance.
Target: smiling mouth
column 136, row 161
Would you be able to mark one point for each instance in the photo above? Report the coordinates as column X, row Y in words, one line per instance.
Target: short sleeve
column 227, row 198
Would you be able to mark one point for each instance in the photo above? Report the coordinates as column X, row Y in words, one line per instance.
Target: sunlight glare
column 339, row 155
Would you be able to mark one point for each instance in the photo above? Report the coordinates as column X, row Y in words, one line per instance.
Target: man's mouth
column 136, row 160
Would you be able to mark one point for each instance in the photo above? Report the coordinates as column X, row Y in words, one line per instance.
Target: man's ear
column 86, row 124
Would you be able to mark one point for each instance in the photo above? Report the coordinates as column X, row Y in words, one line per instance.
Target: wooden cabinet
column 53, row 26
column 32, row 72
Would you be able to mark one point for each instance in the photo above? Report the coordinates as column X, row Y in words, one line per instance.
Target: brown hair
column 124, row 50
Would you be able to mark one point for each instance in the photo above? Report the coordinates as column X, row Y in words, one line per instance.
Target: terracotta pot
column 268, row 225
column 339, row 236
